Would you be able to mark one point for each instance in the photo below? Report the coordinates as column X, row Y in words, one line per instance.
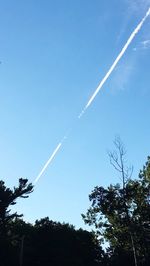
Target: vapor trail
column 48, row 162
column 97, row 89
column 115, row 62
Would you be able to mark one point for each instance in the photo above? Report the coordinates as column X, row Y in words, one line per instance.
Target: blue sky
column 53, row 55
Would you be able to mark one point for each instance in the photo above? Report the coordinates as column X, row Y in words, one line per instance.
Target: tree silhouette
column 121, row 216
column 8, row 198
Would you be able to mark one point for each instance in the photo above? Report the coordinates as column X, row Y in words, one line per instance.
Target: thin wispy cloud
column 137, row 6
column 132, row 8
column 102, row 82
column 144, row 45
column 122, row 75
column 111, row 69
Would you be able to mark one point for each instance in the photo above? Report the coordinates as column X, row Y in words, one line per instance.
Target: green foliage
column 61, row 244
column 52, row 243
column 8, row 198
column 44, row 243
column 122, row 215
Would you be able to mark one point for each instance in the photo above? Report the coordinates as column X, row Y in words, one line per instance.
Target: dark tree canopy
column 52, row 243
column 9, row 196
column 121, row 216
column 44, row 243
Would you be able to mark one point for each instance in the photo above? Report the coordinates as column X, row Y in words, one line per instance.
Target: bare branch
column 118, row 161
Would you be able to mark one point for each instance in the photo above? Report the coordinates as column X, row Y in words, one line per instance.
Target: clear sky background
column 53, row 55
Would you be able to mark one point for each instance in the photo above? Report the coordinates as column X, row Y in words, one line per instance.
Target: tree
column 53, row 243
column 121, row 213
column 118, row 160
column 60, row 244
column 8, row 197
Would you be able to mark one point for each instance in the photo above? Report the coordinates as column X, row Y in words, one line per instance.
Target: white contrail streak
column 97, row 89
column 48, row 162
column 52, row 156
column 115, row 62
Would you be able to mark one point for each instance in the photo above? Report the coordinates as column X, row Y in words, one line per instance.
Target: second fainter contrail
column 102, row 82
